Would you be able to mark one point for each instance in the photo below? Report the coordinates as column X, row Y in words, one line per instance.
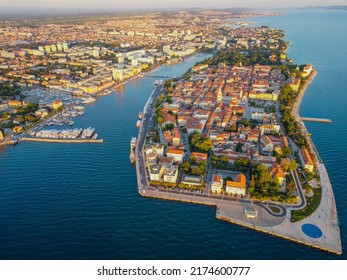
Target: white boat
column 140, row 115
column 88, row 100
column 157, row 82
column 133, row 142
column 138, row 123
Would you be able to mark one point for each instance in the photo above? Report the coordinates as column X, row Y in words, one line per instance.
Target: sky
column 160, row 4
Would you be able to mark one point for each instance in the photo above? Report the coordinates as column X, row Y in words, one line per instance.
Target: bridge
column 316, row 120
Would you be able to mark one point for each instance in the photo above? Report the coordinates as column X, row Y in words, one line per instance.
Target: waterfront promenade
column 233, row 209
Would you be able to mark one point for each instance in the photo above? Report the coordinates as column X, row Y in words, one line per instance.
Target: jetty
column 53, row 140
column 316, row 120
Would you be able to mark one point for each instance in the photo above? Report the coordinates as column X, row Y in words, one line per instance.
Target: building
column 251, row 213
column 168, row 119
column 199, row 156
column 307, row 70
column 278, row 173
column 155, row 172
column 238, row 186
column 118, row 74
column 151, row 157
column 170, row 173
column 57, row 104
column 306, row 160
column 176, row 154
column 18, row 129
column 176, row 137
column 295, row 84
column 159, row 148
column 192, row 180
column 217, row 183
column 3, row 106
column 41, row 113
column 266, row 145
column 14, row 103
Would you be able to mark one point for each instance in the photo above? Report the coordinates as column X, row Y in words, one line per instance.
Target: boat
column 12, row 142
column 133, row 143
column 157, row 82
column 88, row 100
column 132, row 146
column 138, row 123
column 140, row 115
column 132, row 156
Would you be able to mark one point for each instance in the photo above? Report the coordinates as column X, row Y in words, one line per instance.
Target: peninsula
column 228, row 134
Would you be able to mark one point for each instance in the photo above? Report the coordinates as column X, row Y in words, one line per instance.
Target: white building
column 170, row 173
column 155, row 172
column 217, row 183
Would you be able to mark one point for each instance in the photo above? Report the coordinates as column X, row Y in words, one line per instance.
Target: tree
column 199, row 143
column 290, row 187
column 186, row 166
column 160, row 120
column 224, row 159
column 202, row 167
column 192, row 159
column 242, row 162
column 286, row 151
column 293, row 165
column 239, row 147
column 169, row 126
column 232, row 128
column 245, row 122
column 285, row 163
column 309, row 175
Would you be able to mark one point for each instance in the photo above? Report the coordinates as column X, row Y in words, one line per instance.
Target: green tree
column 239, row 147
column 160, row 120
column 285, row 163
column 293, row 165
column 286, row 151
column 186, row 166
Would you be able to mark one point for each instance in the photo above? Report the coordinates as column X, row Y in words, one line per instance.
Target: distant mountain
column 327, row 7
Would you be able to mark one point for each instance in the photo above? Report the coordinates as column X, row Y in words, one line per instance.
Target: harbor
column 62, row 140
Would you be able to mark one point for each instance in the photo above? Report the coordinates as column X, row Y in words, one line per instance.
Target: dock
column 316, row 120
column 53, row 140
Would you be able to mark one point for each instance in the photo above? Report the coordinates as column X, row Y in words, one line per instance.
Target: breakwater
column 62, row 140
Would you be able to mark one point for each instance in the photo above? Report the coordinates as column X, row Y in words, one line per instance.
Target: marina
column 71, row 134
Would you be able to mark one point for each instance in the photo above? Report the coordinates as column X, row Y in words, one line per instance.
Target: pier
column 62, row 140
column 316, row 120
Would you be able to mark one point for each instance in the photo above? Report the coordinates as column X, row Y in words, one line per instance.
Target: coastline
column 103, row 92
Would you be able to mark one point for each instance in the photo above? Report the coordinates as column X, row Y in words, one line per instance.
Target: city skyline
column 150, row 4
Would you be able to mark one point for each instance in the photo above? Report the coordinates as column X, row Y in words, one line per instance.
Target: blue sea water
column 80, row 201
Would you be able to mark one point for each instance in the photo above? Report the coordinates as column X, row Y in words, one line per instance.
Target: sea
column 80, row 201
